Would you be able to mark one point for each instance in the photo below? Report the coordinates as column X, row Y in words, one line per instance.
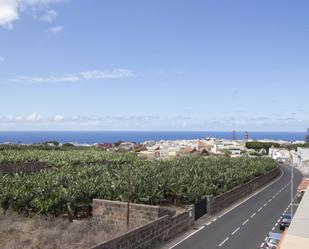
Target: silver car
column 272, row 240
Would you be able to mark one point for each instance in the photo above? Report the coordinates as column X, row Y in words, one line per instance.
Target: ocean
column 90, row 137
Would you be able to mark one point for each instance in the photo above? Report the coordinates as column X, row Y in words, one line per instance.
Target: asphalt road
column 247, row 225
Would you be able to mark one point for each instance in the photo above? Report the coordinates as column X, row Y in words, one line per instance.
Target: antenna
column 246, row 136
column 234, row 135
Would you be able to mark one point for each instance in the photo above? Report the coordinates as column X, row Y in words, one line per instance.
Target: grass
column 41, row 232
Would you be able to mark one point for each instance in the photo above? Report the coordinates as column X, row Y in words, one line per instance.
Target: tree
column 68, row 145
column 118, row 143
column 257, row 146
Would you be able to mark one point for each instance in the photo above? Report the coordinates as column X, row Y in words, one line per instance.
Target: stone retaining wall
column 157, row 224
column 12, row 168
column 154, row 233
column 225, row 200
column 115, row 213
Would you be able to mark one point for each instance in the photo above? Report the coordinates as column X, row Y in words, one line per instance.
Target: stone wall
column 12, row 168
column 114, row 213
column 157, row 224
column 154, row 233
column 225, row 200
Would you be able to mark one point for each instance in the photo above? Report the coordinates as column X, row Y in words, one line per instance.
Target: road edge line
column 243, row 201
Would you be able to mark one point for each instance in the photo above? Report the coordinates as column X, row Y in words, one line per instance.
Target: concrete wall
column 225, row 200
column 152, row 234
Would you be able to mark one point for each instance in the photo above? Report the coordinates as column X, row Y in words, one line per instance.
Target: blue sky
column 154, row 65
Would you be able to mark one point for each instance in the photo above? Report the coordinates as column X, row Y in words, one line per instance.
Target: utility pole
column 128, row 195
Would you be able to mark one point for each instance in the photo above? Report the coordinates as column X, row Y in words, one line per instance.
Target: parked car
column 285, row 221
column 272, row 241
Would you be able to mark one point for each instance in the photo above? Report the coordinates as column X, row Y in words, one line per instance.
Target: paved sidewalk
column 297, row 235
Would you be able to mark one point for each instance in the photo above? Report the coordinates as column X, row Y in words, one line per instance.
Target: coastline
column 91, row 137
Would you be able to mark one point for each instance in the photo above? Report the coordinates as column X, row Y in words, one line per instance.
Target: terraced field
column 74, row 177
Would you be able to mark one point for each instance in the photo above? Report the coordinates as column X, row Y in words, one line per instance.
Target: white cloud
column 56, row 29
column 10, row 10
column 1, row 59
column 87, row 75
column 34, row 117
column 8, row 13
column 49, row 16
column 58, row 117
column 148, row 122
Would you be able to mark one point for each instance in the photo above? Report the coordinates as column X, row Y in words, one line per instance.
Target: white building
column 277, row 153
column 301, row 159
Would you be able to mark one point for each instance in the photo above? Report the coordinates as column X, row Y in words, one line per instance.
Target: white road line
column 260, row 209
column 253, row 215
column 208, row 223
column 265, row 204
column 232, row 208
column 236, row 230
column 256, row 193
column 277, row 223
column 187, row 237
column 245, row 222
column 221, row 244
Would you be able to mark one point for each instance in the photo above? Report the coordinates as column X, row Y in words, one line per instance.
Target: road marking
column 256, row 193
column 179, row 242
column 236, row 230
column 208, row 223
column 277, row 223
column 232, row 208
column 245, row 222
column 223, row 241
column 253, row 215
column 260, row 209
column 265, row 204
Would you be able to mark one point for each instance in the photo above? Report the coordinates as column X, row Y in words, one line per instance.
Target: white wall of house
column 304, row 153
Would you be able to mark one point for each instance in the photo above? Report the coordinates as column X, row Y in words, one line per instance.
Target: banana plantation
column 74, row 177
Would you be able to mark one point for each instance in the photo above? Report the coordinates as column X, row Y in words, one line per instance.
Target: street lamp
column 292, row 181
